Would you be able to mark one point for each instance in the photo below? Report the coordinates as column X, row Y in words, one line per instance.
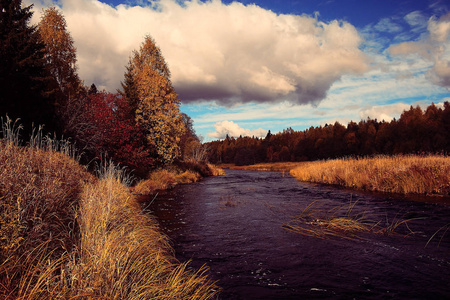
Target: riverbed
column 234, row 225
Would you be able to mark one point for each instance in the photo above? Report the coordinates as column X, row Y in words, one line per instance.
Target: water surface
column 233, row 224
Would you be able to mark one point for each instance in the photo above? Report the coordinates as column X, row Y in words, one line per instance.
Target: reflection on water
column 234, row 224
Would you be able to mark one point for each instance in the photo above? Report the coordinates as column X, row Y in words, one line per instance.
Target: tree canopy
column 60, row 52
column 416, row 131
column 25, row 91
column 153, row 101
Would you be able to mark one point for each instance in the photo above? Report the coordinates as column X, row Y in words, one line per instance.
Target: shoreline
column 409, row 176
column 71, row 234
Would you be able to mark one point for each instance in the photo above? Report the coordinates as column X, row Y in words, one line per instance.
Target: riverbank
column 65, row 233
column 402, row 174
column 277, row 166
column 183, row 173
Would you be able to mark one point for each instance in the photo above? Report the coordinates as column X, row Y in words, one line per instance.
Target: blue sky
column 242, row 68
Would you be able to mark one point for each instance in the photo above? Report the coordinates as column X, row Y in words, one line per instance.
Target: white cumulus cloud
column 434, row 47
column 384, row 112
column 231, row 53
column 232, row 129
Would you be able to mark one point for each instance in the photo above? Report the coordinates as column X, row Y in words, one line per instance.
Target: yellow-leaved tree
column 60, row 51
column 153, row 101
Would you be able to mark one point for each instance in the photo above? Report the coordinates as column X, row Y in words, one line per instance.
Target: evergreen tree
column 129, row 90
column 24, row 79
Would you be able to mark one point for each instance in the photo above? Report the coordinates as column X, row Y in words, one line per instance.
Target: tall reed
column 395, row 174
column 39, row 202
column 123, row 255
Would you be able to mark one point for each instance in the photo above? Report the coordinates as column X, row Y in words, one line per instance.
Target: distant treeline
column 416, row 131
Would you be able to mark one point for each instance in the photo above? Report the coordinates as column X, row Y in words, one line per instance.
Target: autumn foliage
column 140, row 127
column 153, row 101
column 416, row 131
column 120, row 138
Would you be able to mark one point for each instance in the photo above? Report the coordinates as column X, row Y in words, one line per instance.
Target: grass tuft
column 132, row 259
column 342, row 222
column 317, row 222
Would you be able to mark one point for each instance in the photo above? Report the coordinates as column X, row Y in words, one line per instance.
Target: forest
column 415, row 132
column 139, row 126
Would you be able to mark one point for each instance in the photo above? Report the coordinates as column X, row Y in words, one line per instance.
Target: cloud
column 384, row 112
column 416, row 20
column 232, row 129
column 387, row 25
column 434, row 47
column 231, row 53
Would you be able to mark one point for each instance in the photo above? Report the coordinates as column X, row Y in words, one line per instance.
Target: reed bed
column 318, row 222
column 215, row 170
column 394, row 174
column 66, row 234
column 343, row 222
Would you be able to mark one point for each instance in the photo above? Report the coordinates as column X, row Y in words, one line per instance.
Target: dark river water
column 234, row 225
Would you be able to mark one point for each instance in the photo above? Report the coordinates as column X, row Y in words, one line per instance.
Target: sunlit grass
column 397, row 174
column 343, row 222
column 316, row 221
column 278, row 166
column 215, row 170
column 168, row 178
column 131, row 259
column 66, row 234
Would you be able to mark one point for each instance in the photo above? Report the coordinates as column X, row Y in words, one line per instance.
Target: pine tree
column 130, row 92
column 151, row 95
column 24, row 78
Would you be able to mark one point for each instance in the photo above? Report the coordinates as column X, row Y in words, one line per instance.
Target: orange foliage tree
column 153, row 101
column 60, row 52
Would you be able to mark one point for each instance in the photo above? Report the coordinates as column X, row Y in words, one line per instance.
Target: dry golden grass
column 187, row 177
column 215, row 170
column 66, row 234
column 278, row 166
column 158, row 180
column 342, row 222
column 39, row 193
column 167, row 178
column 397, row 174
column 337, row 222
column 123, row 255
column 39, row 202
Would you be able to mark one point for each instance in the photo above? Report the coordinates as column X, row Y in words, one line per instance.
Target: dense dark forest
column 140, row 127
column 416, row 131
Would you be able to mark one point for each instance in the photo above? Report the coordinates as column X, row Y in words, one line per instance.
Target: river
column 234, row 225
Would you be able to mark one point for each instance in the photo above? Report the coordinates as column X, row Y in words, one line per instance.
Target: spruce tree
column 24, row 79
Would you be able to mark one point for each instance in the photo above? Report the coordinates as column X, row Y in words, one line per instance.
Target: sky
column 246, row 67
